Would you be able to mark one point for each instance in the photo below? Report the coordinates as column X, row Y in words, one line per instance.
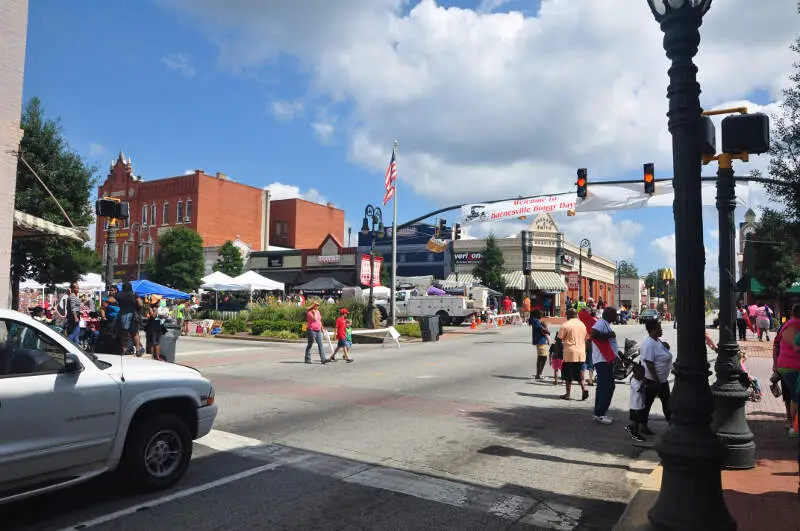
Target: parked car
column 67, row 416
column 649, row 315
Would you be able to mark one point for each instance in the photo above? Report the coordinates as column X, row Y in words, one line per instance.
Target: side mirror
column 72, row 364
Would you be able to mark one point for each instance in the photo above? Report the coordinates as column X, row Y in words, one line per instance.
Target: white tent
column 253, row 281
column 88, row 282
column 219, row 281
column 30, row 284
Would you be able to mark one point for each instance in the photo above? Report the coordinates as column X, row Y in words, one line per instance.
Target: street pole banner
column 631, row 195
column 573, row 280
column 376, row 271
column 510, row 210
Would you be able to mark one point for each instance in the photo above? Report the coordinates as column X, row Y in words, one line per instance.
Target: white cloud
column 188, row 172
column 714, row 234
column 288, row 191
column 286, row 111
column 488, row 6
column 490, row 104
column 179, row 62
column 323, row 131
column 97, row 150
column 611, row 239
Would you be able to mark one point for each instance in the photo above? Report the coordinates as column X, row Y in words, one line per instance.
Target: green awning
column 795, row 288
column 755, row 286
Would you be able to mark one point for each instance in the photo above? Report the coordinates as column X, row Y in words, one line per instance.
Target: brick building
column 214, row 206
column 301, row 224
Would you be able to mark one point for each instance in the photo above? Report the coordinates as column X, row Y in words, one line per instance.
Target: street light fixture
column 620, row 264
column 690, row 452
column 140, row 245
column 585, row 244
column 372, row 225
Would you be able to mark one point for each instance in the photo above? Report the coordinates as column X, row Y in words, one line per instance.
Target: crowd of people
column 585, row 350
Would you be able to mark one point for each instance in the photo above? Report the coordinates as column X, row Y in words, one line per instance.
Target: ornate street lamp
column 585, row 244
column 140, row 245
column 692, row 455
column 372, row 225
column 620, row 264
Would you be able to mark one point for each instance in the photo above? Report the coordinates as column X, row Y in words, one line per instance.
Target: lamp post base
column 369, row 316
column 731, row 391
column 691, row 486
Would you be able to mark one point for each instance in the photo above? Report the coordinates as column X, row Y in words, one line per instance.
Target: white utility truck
column 451, row 309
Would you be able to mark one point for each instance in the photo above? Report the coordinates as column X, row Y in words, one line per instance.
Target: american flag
column 389, row 180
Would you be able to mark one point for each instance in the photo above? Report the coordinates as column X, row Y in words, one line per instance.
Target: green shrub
column 234, row 326
column 409, row 329
column 261, row 326
column 280, row 334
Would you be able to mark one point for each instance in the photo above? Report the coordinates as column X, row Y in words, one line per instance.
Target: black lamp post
column 140, row 245
column 372, row 225
column 692, row 455
column 618, row 302
column 585, row 244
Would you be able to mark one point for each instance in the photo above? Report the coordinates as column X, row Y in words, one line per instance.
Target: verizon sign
column 468, row 258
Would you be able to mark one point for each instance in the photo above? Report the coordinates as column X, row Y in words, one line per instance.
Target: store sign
column 376, row 270
column 275, row 261
column 573, row 280
column 567, row 260
column 330, row 259
column 468, row 258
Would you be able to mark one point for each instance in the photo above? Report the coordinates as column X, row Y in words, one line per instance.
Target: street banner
column 631, row 195
column 573, row 280
column 510, row 210
column 376, row 271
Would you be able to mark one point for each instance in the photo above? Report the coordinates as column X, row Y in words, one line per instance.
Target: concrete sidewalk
column 764, row 497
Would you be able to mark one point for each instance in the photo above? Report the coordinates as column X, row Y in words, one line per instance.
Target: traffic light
column 108, row 207
column 442, row 225
column 745, row 133
column 457, row 231
column 649, row 178
column 582, row 183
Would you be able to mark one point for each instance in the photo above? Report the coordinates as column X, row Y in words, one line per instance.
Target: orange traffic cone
column 473, row 326
column 479, row 319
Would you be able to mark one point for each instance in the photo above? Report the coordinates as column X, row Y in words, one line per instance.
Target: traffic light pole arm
column 760, row 180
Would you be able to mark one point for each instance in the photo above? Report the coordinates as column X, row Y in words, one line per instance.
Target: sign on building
column 468, row 258
column 330, row 259
column 573, row 280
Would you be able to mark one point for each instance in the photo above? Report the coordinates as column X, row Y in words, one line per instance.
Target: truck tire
column 157, row 452
column 384, row 314
column 444, row 318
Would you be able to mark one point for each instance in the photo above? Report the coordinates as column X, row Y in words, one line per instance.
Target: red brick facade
column 301, row 224
column 217, row 208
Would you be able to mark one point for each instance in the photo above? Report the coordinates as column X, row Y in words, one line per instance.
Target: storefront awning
column 464, row 279
column 514, row 279
column 748, row 283
column 27, row 226
column 547, row 281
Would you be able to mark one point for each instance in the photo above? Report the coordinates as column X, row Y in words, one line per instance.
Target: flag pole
column 393, row 306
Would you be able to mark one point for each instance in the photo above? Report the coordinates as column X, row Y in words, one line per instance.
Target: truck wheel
column 157, row 452
column 384, row 314
column 444, row 319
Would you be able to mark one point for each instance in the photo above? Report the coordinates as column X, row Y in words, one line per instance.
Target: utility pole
column 111, row 250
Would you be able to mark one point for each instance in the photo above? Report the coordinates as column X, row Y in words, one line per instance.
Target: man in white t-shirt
column 604, row 353
column 657, row 361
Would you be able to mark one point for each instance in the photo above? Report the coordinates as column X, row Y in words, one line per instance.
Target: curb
column 634, row 518
column 258, row 338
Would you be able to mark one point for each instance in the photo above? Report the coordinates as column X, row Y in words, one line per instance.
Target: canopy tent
column 219, row 281
column 749, row 283
column 27, row 226
column 31, row 284
column 87, row 282
column 321, row 284
column 250, row 280
column 146, row 287
column 794, row 289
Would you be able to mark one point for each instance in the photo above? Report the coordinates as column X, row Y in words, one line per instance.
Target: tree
column 628, row 270
column 51, row 260
column 773, row 247
column 230, row 260
column 490, row 269
column 179, row 261
column 712, row 298
column 784, row 164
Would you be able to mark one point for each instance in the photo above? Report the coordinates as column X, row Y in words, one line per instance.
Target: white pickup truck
column 450, row 309
column 67, row 416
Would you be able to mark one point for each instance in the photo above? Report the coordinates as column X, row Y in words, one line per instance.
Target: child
column 638, row 410
column 556, row 358
column 755, row 386
column 341, row 336
column 349, row 338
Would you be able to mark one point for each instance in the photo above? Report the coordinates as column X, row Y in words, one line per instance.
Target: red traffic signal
column 649, row 178
column 582, row 183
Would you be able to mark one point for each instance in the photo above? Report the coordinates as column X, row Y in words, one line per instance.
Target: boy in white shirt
column 638, row 413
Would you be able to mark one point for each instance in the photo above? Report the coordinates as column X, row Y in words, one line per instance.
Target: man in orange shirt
column 573, row 342
column 526, row 308
column 588, row 319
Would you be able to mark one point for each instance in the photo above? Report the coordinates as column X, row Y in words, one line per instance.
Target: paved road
column 446, row 435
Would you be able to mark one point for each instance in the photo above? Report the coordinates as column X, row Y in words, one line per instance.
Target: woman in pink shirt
column 762, row 321
column 787, row 359
column 314, row 332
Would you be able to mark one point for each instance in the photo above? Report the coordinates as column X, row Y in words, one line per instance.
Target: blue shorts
column 792, row 381
column 342, row 343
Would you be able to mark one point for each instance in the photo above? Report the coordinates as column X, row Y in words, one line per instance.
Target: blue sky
column 312, row 99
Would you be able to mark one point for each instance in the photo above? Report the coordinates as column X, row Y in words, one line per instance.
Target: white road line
column 220, row 350
column 223, row 441
column 174, row 496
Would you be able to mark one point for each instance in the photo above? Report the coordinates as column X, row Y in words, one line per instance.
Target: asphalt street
column 446, row 435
